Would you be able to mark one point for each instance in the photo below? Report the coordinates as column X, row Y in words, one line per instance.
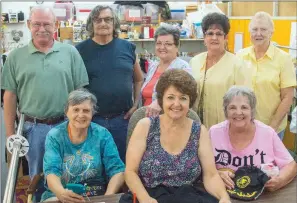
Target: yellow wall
column 280, row 36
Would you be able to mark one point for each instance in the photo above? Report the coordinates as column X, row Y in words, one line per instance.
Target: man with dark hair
column 113, row 72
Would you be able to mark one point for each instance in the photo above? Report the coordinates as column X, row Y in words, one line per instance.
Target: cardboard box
column 66, row 33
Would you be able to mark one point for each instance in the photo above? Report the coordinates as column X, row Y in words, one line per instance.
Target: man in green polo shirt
column 37, row 79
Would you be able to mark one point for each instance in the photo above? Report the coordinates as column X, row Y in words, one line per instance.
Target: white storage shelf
column 186, row 45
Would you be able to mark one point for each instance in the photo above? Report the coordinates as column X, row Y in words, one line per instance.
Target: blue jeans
column 281, row 134
column 118, row 127
column 36, row 134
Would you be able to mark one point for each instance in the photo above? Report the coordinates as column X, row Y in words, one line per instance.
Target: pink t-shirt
column 266, row 147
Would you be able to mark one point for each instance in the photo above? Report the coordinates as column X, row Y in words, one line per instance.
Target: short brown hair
column 181, row 80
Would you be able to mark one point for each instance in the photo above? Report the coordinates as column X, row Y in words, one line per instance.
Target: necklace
column 69, row 132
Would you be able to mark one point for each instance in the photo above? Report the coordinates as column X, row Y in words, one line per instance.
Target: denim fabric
column 117, row 126
column 36, row 134
column 281, row 134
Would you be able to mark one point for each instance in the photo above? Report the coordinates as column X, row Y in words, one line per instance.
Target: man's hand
column 130, row 112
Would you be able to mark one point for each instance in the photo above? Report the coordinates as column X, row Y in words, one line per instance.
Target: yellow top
column 214, row 83
column 275, row 70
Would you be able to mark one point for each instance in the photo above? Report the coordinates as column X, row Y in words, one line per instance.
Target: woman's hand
column 227, row 178
column 225, row 200
column 274, row 183
column 149, row 200
column 153, row 109
column 67, row 196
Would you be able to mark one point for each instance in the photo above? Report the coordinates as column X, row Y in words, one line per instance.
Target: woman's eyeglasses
column 218, row 34
column 166, row 44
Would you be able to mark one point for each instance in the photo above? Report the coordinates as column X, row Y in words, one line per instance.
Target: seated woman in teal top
column 79, row 151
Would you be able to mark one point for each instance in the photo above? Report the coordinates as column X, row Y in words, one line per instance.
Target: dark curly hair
column 215, row 19
column 181, row 80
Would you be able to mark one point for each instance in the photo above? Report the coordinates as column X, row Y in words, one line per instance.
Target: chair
column 140, row 113
column 33, row 186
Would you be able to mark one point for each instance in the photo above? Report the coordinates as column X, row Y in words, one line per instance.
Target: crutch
column 18, row 146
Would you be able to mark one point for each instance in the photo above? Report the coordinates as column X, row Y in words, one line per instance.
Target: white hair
column 44, row 9
column 263, row 16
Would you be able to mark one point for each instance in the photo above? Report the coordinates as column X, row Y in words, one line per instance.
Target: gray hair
column 240, row 91
column 77, row 97
column 44, row 9
column 95, row 13
column 263, row 16
column 168, row 30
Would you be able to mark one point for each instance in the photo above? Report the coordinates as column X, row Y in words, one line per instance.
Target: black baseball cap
column 249, row 183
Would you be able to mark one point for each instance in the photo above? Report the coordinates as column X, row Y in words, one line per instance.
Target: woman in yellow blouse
column 273, row 77
column 217, row 69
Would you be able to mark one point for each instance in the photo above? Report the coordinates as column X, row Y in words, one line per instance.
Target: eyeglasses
column 107, row 20
column 218, row 34
column 46, row 26
column 166, row 44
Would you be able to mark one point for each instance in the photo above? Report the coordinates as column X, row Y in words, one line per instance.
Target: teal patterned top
column 95, row 158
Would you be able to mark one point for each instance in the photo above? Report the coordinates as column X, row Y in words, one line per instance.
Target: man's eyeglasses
column 218, row 34
column 166, row 44
column 107, row 20
column 37, row 25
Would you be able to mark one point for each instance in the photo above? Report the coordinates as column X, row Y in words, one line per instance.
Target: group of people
column 77, row 102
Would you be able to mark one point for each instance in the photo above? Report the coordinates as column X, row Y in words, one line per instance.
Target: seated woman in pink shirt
column 242, row 141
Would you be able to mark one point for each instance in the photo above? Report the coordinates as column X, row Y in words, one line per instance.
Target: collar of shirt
column 33, row 49
column 269, row 53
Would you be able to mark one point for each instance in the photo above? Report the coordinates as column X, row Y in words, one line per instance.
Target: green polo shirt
column 42, row 81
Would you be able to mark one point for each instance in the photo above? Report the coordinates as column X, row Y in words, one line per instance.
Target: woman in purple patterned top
column 172, row 150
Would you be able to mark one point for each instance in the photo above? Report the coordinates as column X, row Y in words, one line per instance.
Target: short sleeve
column 111, row 159
column 188, row 69
column 178, row 64
column 80, row 76
column 282, row 155
column 287, row 74
column 52, row 160
column 8, row 77
column 293, row 124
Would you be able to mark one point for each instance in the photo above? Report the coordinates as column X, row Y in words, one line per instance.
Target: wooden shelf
column 21, row 22
column 152, row 40
column 137, row 22
column 153, row 22
column 172, row 21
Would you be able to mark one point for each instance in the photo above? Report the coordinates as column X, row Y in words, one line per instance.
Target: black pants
column 183, row 194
